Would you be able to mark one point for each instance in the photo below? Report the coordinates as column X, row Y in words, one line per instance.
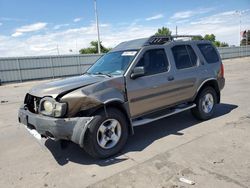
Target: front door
column 149, row 92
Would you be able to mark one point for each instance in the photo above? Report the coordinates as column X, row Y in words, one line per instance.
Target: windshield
column 113, row 63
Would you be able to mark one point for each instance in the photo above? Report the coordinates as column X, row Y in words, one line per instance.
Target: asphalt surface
column 214, row 153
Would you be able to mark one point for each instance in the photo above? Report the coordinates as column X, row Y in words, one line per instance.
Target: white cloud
column 182, row 15
column 29, row 28
column 17, row 34
column 1, row 23
column 190, row 13
column 216, row 18
column 46, row 44
column 59, row 26
column 182, row 21
column 11, row 19
column 32, row 27
column 77, row 19
column 155, row 17
column 104, row 25
column 224, row 25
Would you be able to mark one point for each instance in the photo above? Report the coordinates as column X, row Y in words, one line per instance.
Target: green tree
column 163, row 31
column 210, row 37
column 216, row 43
column 93, row 49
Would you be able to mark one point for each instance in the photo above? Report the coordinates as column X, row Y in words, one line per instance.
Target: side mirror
column 138, row 72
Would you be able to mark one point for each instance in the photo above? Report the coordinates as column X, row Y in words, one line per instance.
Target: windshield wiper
column 101, row 73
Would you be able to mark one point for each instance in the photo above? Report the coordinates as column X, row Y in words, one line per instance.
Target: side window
column 184, row 56
column 154, row 61
column 209, row 53
column 192, row 55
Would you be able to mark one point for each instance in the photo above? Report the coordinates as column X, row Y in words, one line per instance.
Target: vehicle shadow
column 144, row 136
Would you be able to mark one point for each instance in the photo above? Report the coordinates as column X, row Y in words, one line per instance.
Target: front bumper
column 59, row 128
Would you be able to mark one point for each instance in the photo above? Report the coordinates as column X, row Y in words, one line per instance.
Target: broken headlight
column 50, row 107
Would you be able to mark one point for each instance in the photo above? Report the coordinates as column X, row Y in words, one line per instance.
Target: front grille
column 32, row 103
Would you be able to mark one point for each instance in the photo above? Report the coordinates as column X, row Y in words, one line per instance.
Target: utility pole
column 238, row 12
column 176, row 30
column 97, row 28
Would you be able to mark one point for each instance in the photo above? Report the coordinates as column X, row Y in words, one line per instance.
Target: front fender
column 94, row 96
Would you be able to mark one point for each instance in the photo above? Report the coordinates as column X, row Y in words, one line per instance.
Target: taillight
column 221, row 73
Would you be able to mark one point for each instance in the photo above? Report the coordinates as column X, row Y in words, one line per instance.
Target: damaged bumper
column 59, row 128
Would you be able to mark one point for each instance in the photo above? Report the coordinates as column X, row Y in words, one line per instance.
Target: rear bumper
column 59, row 128
column 221, row 83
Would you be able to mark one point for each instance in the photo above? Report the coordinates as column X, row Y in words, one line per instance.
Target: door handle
column 170, row 78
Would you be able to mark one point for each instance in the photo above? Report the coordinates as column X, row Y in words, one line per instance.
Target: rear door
column 188, row 69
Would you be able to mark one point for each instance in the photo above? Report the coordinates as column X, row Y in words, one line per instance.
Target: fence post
column 52, row 67
column 246, row 50
column 19, row 70
column 79, row 64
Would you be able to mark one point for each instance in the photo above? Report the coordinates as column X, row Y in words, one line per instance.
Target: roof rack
column 162, row 39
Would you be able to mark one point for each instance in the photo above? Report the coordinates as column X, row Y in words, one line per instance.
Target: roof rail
column 162, row 39
column 188, row 36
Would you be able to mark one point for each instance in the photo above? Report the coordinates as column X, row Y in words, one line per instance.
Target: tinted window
column 209, row 53
column 184, row 56
column 154, row 61
column 192, row 55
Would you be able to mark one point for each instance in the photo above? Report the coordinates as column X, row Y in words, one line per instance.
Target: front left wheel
column 107, row 134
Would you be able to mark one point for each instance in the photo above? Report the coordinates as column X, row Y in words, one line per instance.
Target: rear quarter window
column 209, row 53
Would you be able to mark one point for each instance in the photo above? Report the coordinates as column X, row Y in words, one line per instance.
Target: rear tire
column 107, row 135
column 205, row 104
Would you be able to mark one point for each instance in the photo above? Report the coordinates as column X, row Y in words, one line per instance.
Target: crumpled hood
column 55, row 88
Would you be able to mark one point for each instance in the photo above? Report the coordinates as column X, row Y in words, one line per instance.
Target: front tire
column 107, row 134
column 205, row 104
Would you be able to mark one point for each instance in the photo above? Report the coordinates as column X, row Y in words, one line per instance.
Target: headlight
column 49, row 107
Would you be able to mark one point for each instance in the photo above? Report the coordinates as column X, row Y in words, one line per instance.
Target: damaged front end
column 68, row 114
column 55, row 128
column 57, row 119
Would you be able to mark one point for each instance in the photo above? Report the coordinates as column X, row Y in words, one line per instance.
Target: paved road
column 214, row 153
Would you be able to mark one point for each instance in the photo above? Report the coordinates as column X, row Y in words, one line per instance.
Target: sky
column 49, row 27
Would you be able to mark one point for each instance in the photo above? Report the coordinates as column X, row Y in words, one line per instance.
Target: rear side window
column 154, row 61
column 209, row 53
column 184, row 56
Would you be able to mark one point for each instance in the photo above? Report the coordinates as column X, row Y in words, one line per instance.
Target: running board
column 149, row 120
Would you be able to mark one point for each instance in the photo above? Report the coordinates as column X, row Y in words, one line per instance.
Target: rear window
column 209, row 53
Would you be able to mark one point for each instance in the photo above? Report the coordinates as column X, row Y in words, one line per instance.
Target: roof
column 153, row 40
column 130, row 45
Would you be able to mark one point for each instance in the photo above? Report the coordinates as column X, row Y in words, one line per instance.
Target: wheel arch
column 209, row 83
column 119, row 105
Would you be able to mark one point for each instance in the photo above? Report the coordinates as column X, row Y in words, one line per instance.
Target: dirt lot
column 214, row 153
